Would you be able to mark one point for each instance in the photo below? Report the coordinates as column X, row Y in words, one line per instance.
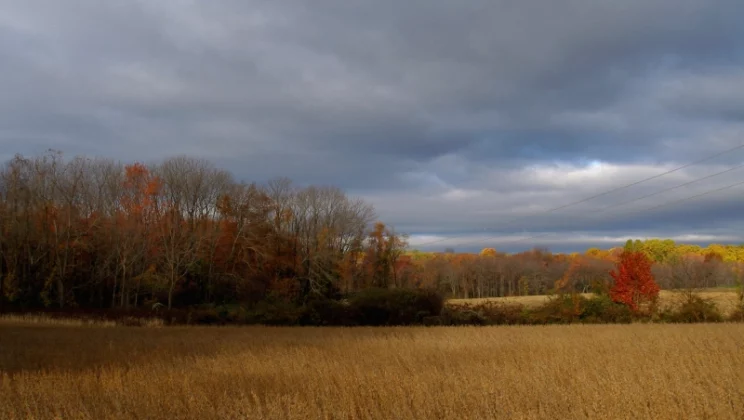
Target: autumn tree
column 242, row 257
column 659, row 250
column 71, row 224
column 695, row 272
column 633, row 281
column 383, row 249
column 137, row 217
column 175, row 238
column 16, row 228
column 633, row 245
column 487, row 252
column 327, row 225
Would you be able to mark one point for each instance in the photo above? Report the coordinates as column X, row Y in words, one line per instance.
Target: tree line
column 98, row 233
column 490, row 273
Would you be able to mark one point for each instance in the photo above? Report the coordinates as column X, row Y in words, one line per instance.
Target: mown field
column 638, row 371
column 725, row 299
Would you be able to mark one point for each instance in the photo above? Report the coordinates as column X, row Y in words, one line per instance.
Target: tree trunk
column 61, row 291
column 3, row 270
column 2, row 294
column 123, row 282
column 137, row 291
column 171, row 287
column 113, row 293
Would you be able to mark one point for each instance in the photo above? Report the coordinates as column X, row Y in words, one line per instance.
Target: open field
column 566, row 372
column 725, row 299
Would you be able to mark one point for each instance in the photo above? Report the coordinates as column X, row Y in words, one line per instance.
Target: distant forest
column 99, row 233
column 538, row 271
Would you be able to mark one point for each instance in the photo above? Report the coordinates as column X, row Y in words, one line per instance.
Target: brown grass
column 556, row 372
column 46, row 320
column 726, row 300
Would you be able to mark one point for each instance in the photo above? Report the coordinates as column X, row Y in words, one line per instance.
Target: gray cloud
column 450, row 117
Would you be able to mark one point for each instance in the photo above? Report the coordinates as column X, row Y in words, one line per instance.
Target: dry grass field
column 68, row 371
column 725, row 299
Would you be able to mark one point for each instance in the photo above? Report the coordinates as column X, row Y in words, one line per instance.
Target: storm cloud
column 462, row 122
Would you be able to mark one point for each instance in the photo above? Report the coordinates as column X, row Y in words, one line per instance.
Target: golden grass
column 557, row 372
column 44, row 320
column 726, row 300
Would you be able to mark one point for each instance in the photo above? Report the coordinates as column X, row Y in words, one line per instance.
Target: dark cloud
column 717, row 95
column 450, row 117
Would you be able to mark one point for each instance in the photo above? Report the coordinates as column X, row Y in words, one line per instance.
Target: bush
column 694, row 309
column 562, row 309
column 367, row 307
column 274, row 313
column 394, row 306
column 504, row 314
column 737, row 315
column 601, row 309
column 433, row 320
column 568, row 309
column 462, row 315
column 323, row 311
column 203, row 317
column 488, row 313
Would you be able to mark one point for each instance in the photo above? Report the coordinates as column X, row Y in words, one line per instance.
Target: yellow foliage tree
column 488, row 252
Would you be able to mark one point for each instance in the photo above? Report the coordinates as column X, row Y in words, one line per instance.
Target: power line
column 636, row 211
column 694, row 196
column 687, row 165
column 668, row 189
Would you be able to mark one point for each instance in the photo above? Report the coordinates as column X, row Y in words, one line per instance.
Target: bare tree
column 177, row 207
column 694, row 272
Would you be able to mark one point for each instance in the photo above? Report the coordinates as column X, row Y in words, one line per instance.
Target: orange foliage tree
column 634, row 282
column 382, row 252
column 133, row 221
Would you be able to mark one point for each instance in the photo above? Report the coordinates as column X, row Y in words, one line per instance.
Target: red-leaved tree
column 634, row 282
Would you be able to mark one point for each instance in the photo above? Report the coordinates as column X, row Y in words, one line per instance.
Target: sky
column 464, row 123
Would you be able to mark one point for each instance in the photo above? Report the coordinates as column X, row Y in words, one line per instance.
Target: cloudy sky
column 462, row 122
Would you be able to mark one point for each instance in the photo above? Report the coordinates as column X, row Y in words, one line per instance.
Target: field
column 64, row 371
column 725, row 299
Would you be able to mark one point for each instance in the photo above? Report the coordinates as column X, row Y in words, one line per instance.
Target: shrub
column 378, row 306
column 561, row 309
column 433, row 320
column 488, row 313
column 601, row 309
column 324, row 311
column 503, row 314
column 737, row 315
column 203, row 317
column 273, row 313
column 569, row 309
column 694, row 309
column 462, row 315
